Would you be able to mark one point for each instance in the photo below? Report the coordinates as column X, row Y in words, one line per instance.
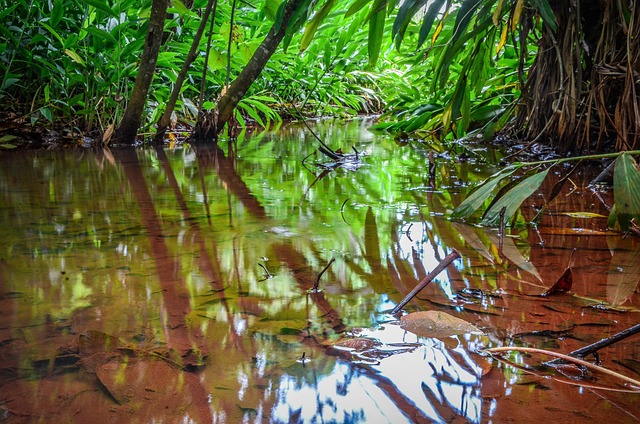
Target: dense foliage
column 439, row 68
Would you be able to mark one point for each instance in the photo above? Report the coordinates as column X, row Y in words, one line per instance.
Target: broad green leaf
column 428, row 21
column 56, row 12
column 46, row 112
column 405, row 14
column 356, row 6
column 436, row 324
column 271, row 9
column 512, row 199
column 480, row 195
column 376, row 31
column 314, row 23
column 101, row 5
column 183, row 10
column 73, row 55
column 626, row 190
column 547, row 13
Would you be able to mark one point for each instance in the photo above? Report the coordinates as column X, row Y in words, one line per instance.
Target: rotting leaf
column 563, row 285
column 624, row 272
column 436, row 324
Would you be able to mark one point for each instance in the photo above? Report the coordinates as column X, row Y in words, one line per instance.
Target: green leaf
column 46, row 112
column 547, row 13
column 101, row 5
column 56, row 12
column 376, row 30
column 512, row 199
column 626, row 190
column 314, row 23
column 73, row 55
column 356, row 7
column 405, row 14
column 271, row 9
column 480, row 195
column 428, row 21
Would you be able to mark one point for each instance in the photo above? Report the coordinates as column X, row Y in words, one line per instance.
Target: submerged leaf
column 436, row 324
column 624, row 272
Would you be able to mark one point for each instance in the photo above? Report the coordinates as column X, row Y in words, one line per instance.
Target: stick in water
column 315, row 285
column 437, row 270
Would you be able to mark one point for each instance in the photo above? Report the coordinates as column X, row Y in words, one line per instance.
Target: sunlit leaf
column 517, row 11
column 626, row 190
column 376, row 31
column 356, row 6
column 586, row 215
column 428, row 20
column 512, row 199
column 271, row 9
column 436, row 324
column 314, row 23
column 476, row 199
column 73, row 55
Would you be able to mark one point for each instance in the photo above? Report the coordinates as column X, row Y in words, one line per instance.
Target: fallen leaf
column 436, row 324
column 563, row 284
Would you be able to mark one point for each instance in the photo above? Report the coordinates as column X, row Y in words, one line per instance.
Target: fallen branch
column 564, row 357
column 317, row 282
column 437, row 270
column 593, row 348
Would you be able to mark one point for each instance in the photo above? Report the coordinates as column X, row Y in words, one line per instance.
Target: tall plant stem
column 587, row 157
column 164, row 121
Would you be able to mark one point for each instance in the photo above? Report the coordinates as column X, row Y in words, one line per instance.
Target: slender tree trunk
column 164, row 121
column 211, row 124
column 128, row 129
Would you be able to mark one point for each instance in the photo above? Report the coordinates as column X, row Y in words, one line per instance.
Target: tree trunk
column 582, row 92
column 164, row 121
column 128, row 129
column 209, row 125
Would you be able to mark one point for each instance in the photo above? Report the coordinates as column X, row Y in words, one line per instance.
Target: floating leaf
column 512, row 199
column 436, row 324
column 563, row 285
column 626, row 190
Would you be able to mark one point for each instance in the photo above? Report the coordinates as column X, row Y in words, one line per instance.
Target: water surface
column 173, row 284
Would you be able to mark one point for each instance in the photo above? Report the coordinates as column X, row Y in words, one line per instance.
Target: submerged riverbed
column 174, row 285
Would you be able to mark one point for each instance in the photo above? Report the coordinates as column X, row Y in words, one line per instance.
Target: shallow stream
column 174, row 285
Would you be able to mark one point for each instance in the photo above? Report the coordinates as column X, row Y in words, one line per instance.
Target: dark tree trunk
column 211, row 124
column 582, row 93
column 128, row 129
column 164, row 121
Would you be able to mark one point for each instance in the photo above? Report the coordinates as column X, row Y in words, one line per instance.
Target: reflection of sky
column 427, row 379
column 413, row 237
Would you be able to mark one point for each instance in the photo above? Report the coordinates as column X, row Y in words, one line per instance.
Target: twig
column 265, row 270
column 566, row 358
column 315, row 285
column 437, row 270
column 592, row 348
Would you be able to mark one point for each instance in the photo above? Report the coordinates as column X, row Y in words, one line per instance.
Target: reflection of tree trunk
column 128, row 129
column 174, row 293
column 212, row 156
column 210, row 125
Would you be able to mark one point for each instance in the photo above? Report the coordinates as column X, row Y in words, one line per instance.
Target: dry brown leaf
column 436, row 324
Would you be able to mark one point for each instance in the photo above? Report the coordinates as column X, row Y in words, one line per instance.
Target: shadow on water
column 175, row 285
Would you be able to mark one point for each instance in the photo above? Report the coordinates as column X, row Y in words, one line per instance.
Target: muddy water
column 173, row 285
